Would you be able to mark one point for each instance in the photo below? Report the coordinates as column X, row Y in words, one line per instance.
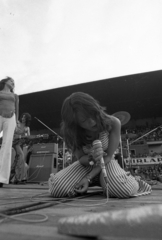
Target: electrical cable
column 46, row 203
column 16, row 217
column 8, row 203
column 62, row 201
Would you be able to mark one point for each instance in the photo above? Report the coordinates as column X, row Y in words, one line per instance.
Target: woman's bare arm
column 16, row 107
column 114, row 138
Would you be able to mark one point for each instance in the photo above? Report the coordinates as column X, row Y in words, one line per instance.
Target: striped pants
column 120, row 185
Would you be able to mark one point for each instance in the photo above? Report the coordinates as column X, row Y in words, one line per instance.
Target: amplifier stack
column 43, row 162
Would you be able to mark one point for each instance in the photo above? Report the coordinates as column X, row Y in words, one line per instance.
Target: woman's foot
column 20, row 182
column 1, row 185
column 15, row 182
column 24, row 180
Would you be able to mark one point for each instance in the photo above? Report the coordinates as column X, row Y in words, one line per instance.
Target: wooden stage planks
column 21, row 196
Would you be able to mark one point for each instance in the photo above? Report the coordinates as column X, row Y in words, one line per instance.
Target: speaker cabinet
column 44, row 148
column 41, row 166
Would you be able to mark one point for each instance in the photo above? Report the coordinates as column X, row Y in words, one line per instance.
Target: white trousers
column 7, row 125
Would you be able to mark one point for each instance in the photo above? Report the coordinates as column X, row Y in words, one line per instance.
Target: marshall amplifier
column 44, row 148
column 41, row 166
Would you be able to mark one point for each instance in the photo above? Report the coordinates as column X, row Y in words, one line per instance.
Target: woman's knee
column 58, row 187
column 19, row 151
column 120, row 189
column 121, row 185
column 62, row 183
column 124, row 190
column 51, row 183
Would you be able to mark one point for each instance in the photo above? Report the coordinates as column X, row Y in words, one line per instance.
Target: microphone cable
column 103, row 167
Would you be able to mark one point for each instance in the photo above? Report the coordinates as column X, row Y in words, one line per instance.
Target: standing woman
column 9, row 107
column 19, row 167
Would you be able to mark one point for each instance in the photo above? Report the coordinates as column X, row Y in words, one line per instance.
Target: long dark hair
column 73, row 134
column 3, row 83
column 27, row 118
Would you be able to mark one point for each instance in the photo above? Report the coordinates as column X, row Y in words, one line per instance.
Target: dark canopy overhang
column 140, row 95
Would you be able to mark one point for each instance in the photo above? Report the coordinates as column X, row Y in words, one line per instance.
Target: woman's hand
column 82, row 186
column 97, row 153
column 107, row 159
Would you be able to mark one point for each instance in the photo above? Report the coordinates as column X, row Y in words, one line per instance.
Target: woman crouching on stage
column 19, row 167
column 9, row 109
column 83, row 122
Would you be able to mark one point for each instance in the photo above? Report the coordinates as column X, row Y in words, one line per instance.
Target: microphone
column 102, row 163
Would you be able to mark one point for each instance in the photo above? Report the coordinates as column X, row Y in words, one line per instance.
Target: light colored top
column 103, row 137
column 7, row 104
column 21, row 132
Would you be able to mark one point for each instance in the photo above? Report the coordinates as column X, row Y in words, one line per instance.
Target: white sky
column 47, row 44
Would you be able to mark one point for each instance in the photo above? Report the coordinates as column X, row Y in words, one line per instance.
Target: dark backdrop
column 138, row 94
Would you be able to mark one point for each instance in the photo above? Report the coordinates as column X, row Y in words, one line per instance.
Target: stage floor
column 35, row 201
